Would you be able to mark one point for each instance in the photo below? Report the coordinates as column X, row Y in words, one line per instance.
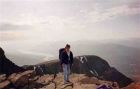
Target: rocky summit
column 27, row 80
column 92, row 66
column 88, row 72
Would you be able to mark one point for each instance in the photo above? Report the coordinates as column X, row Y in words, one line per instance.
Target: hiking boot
column 66, row 83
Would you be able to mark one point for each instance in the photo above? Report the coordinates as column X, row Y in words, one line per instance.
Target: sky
column 36, row 21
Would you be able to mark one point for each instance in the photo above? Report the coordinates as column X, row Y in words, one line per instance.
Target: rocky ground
column 27, row 80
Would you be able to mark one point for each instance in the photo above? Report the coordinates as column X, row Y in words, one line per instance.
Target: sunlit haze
column 27, row 24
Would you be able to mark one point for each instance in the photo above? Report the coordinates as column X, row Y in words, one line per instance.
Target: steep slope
column 6, row 66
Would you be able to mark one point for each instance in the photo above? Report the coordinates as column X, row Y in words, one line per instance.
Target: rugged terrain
column 79, row 81
column 88, row 72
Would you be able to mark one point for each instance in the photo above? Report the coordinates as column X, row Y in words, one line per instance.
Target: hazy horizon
column 39, row 28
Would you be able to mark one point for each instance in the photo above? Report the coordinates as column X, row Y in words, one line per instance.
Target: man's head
column 67, row 47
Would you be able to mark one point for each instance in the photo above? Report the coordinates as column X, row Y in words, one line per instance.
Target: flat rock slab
column 20, row 79
column 4, row 84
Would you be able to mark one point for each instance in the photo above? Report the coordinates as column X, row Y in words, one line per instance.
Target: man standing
column 66, row 60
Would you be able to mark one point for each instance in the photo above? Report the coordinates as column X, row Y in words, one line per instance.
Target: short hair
column 67, row 45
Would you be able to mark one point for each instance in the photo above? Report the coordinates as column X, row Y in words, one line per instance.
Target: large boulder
column 17, row 80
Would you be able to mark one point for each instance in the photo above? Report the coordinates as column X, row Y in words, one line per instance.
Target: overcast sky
column 68, row 20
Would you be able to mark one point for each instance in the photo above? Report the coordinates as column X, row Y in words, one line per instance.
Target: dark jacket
column 65, row 58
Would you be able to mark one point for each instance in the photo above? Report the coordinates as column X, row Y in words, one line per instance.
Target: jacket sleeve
column 62, row 58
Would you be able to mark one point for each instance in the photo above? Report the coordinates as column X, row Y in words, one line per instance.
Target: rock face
column 92, row 66
column 114, row 75
column 16, row 80
column 6, row 66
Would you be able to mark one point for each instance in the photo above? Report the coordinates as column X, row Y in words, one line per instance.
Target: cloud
column 9, row 26
column 124, row 10
column 96, row 15
column 66, row 21
column 12, row 31
column 10, row 36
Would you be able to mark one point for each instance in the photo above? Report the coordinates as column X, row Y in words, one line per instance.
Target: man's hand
column 63, row 65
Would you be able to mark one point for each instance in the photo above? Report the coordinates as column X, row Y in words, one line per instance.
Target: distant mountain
column 25, row 59
column 131, row 42
column 122, row 54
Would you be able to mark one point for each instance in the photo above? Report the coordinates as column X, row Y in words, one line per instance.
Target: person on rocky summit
column 66, row 61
